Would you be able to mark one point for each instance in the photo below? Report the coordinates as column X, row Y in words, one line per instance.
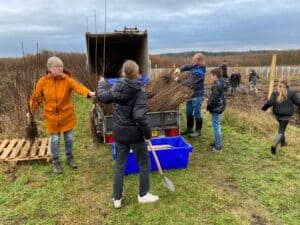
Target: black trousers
column 142, row 156
column 282, row 126
column 281, row 136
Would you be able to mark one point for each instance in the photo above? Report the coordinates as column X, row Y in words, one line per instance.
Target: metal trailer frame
column 158, row 121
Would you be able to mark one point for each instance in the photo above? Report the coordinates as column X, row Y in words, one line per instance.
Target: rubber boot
column 275, row 143
column 198, row 129
column 56, row 166
column 71, row 162
column 189, row 125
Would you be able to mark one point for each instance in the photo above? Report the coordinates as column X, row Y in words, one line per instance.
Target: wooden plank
column 25, row 150
column 43, row 147
column 3, row 144
column 49, row 147
column 8, row 149
column 34, row 149
column 17, row 149
column 27, row 159
column 160, row 147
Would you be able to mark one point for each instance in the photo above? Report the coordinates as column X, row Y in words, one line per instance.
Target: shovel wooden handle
column 155, row 158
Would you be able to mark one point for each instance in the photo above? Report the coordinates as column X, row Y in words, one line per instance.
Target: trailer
column 106, row 52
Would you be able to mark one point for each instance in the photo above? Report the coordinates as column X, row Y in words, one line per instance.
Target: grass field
column 244, row 184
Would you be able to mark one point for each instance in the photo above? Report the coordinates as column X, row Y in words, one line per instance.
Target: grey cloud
column 172, row 25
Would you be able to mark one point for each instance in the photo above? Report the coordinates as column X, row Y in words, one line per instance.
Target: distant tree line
column 249, row 58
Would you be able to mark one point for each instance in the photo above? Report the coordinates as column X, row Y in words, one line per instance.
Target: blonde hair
column 54, row 60
column 282, row 90
column 130, row 70
column 198, row 56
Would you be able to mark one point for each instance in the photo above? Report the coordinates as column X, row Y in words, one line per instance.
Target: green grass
column 244, row 184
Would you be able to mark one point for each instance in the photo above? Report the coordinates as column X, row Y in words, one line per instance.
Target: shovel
column 168, row 183
column 31, row 130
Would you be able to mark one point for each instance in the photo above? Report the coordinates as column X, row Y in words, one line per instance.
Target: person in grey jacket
column 253, row 77
column 130, row 129
column 282, row 101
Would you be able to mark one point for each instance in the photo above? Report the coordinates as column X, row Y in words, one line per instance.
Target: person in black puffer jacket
column 235, row 80
column 224, row 69
column 216, row 105
column 282, row 101
column 130, row 129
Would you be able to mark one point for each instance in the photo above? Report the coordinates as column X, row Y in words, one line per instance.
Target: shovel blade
column 169, row 184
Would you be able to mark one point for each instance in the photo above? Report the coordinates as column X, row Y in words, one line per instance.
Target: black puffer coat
column 130, row 124
column 217, row 99
column 235, row 79
column 285, row 109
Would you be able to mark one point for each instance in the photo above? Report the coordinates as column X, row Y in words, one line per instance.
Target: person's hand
column 29, row 116
column 176, row 71
column 101, row 79
column 92, row 94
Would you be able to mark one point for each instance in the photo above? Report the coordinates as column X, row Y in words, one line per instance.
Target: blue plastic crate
column 172, row 158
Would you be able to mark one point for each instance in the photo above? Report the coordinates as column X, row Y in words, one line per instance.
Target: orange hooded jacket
column 55, row 92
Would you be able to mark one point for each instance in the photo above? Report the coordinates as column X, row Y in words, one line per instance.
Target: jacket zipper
column 58, row 126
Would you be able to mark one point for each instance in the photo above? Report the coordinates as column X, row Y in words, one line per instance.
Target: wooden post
column 272, row 75
column 155, row 72
column 174, row 65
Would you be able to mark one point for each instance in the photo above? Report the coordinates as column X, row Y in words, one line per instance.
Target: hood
column 66, row 72
column 125, row 90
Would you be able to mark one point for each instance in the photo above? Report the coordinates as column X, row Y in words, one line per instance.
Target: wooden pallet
column 15, row 150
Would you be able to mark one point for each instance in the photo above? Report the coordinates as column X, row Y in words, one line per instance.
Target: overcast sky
column 173, row 25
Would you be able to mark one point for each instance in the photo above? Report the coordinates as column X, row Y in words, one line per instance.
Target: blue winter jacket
column 197, row 80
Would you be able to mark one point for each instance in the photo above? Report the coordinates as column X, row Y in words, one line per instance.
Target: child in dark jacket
column 282, row 101
column 216, row 105
column 253, row 77
column 235, row 80
column 130, row 129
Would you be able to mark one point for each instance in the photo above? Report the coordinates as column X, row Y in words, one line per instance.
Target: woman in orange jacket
column 54, row 89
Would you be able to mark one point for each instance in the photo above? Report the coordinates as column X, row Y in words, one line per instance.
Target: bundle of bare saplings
column 164, row 93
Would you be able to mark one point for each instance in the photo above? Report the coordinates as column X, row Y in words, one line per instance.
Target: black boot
column 283, row 142
column 198, row 128
column 56, row 166
column 71, row 162
column 275, row 143
column 189, row 125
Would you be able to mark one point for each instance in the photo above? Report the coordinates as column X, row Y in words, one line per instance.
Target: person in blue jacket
column 194, row 104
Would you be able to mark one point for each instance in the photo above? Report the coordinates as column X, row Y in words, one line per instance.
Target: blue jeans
column 142, row 157
column 55, row 140
column 193, row 107
column 216, row 123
